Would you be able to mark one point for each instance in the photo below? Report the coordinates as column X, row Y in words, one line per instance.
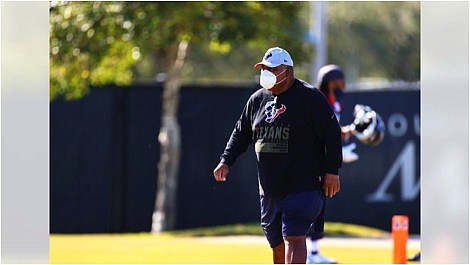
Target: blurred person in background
column 330, row 81
column 297, row 140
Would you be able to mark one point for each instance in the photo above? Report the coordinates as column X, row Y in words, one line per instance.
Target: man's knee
column 295, row 239
column 278, row 247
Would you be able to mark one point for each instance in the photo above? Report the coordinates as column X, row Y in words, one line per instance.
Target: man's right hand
column 220, row 172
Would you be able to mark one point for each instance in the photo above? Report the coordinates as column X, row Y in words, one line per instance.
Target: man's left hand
column 331, row 186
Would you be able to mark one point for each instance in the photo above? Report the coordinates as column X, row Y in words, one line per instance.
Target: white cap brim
column 268, row 64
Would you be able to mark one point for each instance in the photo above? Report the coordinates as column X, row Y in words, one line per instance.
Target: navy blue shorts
column 293, row 215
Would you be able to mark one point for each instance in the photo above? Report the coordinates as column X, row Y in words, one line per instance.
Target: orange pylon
column 400, row 237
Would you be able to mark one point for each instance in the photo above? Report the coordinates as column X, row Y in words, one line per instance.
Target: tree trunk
column 164, row 214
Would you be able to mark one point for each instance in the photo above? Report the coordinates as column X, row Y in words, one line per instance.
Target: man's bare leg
column 279, row 254
column 296, row 249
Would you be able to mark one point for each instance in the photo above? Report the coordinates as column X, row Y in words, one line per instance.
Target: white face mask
column 268, row 79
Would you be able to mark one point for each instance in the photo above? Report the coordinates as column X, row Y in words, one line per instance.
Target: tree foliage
column 99, row 43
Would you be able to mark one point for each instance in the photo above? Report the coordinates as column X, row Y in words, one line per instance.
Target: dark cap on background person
column 327, row 73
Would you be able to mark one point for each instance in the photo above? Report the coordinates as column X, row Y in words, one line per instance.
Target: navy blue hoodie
column 296, row 136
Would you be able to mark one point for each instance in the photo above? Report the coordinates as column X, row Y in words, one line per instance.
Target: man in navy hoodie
column 297, row 140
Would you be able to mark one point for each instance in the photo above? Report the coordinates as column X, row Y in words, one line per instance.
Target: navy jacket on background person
column 296, row 136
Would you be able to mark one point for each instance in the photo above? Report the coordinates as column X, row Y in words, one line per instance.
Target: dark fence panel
column 207, row 118
column 81, row 163
column 142, row 154
column 104, row 155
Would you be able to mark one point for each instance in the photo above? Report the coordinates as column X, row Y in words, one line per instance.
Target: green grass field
column 226, row 244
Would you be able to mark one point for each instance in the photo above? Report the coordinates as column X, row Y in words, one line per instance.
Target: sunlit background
column 144, row 95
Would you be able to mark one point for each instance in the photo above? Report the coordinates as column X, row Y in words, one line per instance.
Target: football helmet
column 368, row 126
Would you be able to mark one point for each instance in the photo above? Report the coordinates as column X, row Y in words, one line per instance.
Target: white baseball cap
column 275, row 57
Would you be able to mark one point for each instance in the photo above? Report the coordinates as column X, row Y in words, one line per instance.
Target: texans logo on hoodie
column 272, row 112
